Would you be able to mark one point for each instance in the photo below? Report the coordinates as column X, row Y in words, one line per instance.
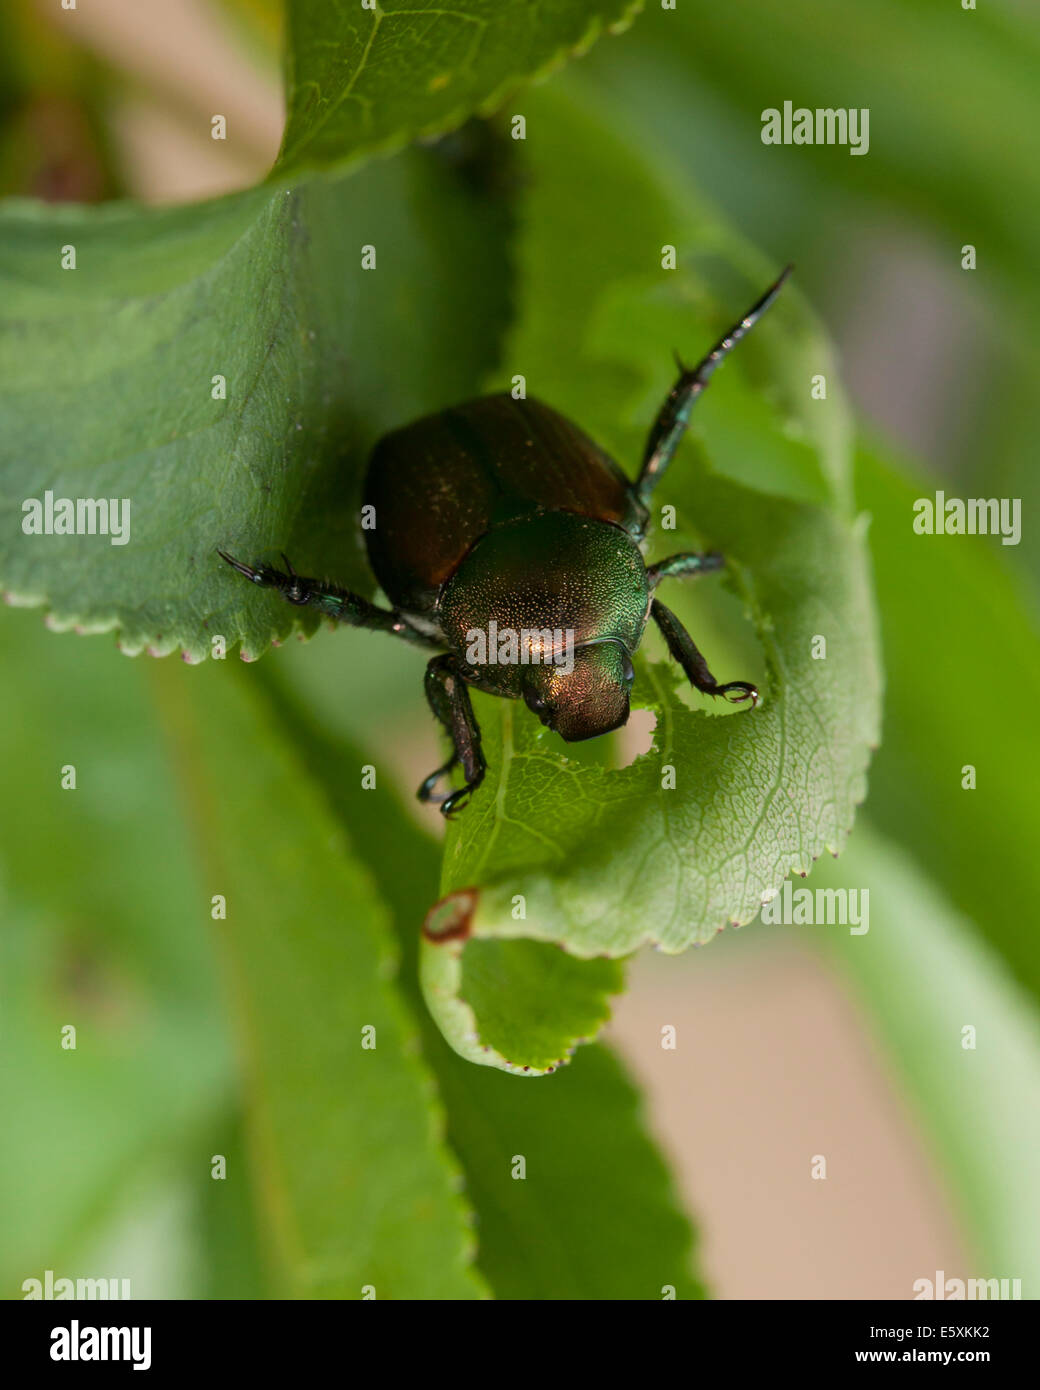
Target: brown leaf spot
column 451, row 919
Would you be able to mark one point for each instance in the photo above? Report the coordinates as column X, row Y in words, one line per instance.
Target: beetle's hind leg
column 670, row 425
column 683, row 567
column 338, row 604
column 449, row 699
column 684, row 650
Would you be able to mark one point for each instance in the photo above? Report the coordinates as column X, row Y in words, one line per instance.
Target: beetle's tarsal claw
column 426, row 792
column 454, row 803
column 736, row 692
column 427, row 795
column 456, row 800
column 248, row 570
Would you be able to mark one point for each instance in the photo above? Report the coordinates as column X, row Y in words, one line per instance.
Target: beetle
column 501, row 516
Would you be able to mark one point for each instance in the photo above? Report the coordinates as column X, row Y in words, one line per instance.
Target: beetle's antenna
column 674, row 416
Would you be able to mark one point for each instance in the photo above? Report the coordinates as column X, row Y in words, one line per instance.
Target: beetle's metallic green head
column 548, row 609
column 586, row 697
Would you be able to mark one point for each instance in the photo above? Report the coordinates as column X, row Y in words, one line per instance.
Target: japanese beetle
column 501, row 517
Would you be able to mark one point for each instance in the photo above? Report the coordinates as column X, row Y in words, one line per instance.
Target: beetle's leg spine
column 674, row 416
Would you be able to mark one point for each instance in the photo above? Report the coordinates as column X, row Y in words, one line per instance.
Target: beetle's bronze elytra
column 501, row 517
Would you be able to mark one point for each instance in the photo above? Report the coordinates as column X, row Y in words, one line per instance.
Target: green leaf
column 598, row 323
column 498, row 1000
column 963, row 689
column 369, row 79
column 959, row 632
column 107, row 386
column 596, row 1215
column 354, row 1184
column 604, row 861
column 231, row 1263
column 102, row 930
column 947, row 163
column 925, row 976
column 932, row 183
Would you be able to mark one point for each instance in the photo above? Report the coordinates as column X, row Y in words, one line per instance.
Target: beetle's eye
column 534, row 701
column 627, row 669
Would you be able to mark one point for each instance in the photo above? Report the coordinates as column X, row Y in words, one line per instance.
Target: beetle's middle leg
column 670, row 425
column 449, row 699
column 339, row 604
column 684, row 650
column 683, row 567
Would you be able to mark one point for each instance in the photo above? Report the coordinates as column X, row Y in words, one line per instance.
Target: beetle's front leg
column 339, row 604
column 674, row 416
column 683, row 649
column 449, row 699
column 683, row 567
